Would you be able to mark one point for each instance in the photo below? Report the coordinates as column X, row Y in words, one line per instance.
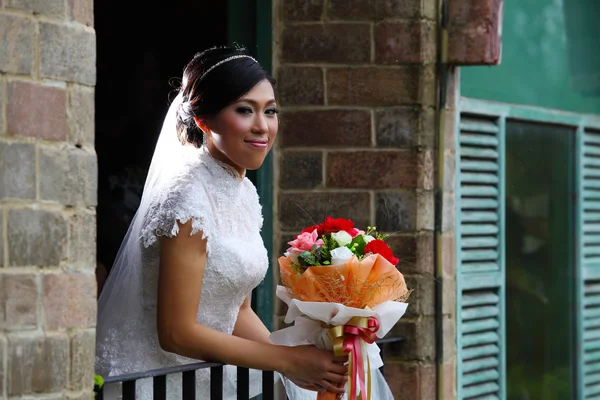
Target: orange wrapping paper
column 359, row 284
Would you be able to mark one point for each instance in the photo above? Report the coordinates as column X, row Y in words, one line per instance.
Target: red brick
column 419, row 335
column 405, row 127
column 348, row 128
column 398, row 127
column 422, row 299
column 67, row 52
column 36, row 237
column 69, row 300
column 302, row 10
column 380, row 9
column 18, row 57
column 369, row 86
column 372, row 170
column 412, row 381
column 83, row 11
column 299, row 210
column 415, row 253
column 474, row 32
column 396, row 211
column 301, row 86
column 18, row 301
column 334, row 43
column 407, row 42
column 404, row 247
column 37, row 364
column 37, row 110
column 300, row 169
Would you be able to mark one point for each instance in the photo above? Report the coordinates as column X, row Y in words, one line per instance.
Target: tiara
column 223, row 62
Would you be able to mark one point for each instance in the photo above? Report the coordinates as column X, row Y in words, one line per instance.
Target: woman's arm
column 182, row 262
column 249, row 326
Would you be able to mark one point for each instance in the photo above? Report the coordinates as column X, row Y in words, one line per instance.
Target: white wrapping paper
column 308, row 318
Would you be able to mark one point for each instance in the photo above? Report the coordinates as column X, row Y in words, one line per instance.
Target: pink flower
column 303, row 242
column 355, row 232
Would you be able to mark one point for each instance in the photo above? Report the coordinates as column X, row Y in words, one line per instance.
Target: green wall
column 550, row 57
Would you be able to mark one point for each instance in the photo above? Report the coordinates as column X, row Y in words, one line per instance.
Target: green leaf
column 98, row 381
column 308, row 258
column 358, row 245
column 329, row 244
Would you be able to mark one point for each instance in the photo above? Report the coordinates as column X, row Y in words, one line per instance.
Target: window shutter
column 589, row 261
column 480, row 257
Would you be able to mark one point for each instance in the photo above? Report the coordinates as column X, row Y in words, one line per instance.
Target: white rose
column 368, row 238
column 342, row 238
column 340, row 255
column 292, row 256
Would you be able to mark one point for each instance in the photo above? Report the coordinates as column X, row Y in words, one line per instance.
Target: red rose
column 310, row 229
column 380, row 247
column 331, row 225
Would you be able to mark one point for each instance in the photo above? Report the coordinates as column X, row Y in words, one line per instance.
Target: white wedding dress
column 226, row 209
column 185, row 183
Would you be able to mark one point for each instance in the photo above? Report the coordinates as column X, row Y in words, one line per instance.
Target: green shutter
column 480, row 258
column 589, row 261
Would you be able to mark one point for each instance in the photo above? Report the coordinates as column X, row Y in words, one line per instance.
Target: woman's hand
column 314, row 369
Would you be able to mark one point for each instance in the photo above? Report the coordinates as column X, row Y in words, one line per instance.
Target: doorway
column 141, row 53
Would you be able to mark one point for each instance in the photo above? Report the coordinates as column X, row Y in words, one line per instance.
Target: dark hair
column 206, row 95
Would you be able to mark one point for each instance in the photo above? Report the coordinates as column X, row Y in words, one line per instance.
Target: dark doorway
column 141, row 54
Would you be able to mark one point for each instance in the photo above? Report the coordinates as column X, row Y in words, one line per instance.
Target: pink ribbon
column 353, row 336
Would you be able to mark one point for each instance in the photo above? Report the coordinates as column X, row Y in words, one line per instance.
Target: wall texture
column 48, row 178
column 357, row 85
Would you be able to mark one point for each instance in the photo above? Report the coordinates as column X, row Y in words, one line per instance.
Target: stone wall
column 48, row 176
column 357, row 85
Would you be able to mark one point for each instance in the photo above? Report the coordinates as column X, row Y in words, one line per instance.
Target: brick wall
column 357, row 82
column 48, row 178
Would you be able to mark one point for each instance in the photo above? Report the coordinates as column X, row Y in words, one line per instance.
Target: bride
column 179, row 289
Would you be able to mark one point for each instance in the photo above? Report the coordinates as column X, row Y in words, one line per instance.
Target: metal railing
column 188, row 377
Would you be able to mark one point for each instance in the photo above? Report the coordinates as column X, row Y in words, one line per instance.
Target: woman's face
column 243, row 133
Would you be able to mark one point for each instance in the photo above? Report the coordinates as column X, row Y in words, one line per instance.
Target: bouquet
column 343, row 291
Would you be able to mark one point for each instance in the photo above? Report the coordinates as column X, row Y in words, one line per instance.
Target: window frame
column 584, row 126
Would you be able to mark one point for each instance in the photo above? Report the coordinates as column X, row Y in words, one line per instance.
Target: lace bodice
column 226, row 209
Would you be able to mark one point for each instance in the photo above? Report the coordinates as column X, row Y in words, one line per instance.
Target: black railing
column 188, row 377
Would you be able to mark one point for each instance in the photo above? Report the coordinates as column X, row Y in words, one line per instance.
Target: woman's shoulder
column 181, row 198
column 253, row 202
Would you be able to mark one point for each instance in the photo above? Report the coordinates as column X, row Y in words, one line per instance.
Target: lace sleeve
column 179, row 202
